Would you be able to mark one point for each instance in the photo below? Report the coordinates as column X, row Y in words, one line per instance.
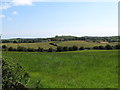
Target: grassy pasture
column 82, row 43
column 75, row 69
column 46, row 45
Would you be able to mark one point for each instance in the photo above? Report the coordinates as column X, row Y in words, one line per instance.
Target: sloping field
column 77, row 69
column 46, row 45
column 82, row 43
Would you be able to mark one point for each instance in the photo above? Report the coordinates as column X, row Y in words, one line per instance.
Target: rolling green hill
column 83, row 43
column 47, row 45
column 44, row 45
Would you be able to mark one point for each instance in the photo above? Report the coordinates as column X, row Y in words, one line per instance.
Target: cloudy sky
column 24, row 18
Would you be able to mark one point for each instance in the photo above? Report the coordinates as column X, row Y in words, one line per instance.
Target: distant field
column 75, row 69
column 46, row 45
column 82, row 43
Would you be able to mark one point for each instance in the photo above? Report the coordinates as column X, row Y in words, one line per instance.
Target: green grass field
column 82, row 43
column 75, row 69
column 46, row 45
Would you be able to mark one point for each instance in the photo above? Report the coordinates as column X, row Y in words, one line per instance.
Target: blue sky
column 47, row 19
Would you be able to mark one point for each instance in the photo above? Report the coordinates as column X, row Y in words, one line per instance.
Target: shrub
column 4, row 47
column 40, row 49
column 108, row 47
column 101, row 47
column 96, row 47
column 19, row 48
column 70, row 48
column 13, row 76
column 65, row 48
column 117, row 46
column 50, row 50
column 75, row 48
column 87, row 48
column 59, row 49
column 81, row 48
column 11, row 49
column 31, row 50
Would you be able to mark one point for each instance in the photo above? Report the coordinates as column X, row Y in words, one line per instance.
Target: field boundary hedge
column 59, row 48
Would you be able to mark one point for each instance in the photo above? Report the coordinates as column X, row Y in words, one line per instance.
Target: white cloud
column 5, row 6
column 2, row 16
column 22, row 2
column 14, row 13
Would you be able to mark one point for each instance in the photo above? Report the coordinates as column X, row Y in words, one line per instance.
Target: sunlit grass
column 77, row 69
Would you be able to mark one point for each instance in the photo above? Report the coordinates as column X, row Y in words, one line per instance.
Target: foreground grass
column 77, row 69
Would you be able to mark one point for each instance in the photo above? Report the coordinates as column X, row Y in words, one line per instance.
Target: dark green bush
column 50, row 50
column 13, row 76
column 11, row 49
column 75, row 48
column 59, row 49
column 117, row 46
column 65, row 48
column 81, row 48
column 31, row 50
column 70, row 48
column 40, row 49
column 19, row 48
column 4, row 48
column 108, row 47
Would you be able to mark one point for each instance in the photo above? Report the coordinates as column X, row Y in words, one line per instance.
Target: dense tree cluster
column 59, row 48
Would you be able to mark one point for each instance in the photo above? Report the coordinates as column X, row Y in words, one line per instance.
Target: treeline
column 87, row 38
column 63, row 38
column 21, row 40
column 59, row 48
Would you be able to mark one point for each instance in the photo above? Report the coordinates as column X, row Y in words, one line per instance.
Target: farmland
column 82, row 43
column 46, row 45
column 73, row 69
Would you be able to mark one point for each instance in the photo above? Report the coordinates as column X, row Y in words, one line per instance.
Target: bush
column 19, row 48
column 59, row 49
column 11, row 49
column 70, row 48
column 65, row 48
column 13, row 76
column 50, row 50
column 117, row 46
column 4, row 47
column 81, row 48
column 101, row 47
column 40, row 49
column 31, row 50
column 87, row 48
column 75, row 48
column 96, row 47
column 108, row 47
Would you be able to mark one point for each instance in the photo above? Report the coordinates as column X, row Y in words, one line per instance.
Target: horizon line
column 54, row 36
